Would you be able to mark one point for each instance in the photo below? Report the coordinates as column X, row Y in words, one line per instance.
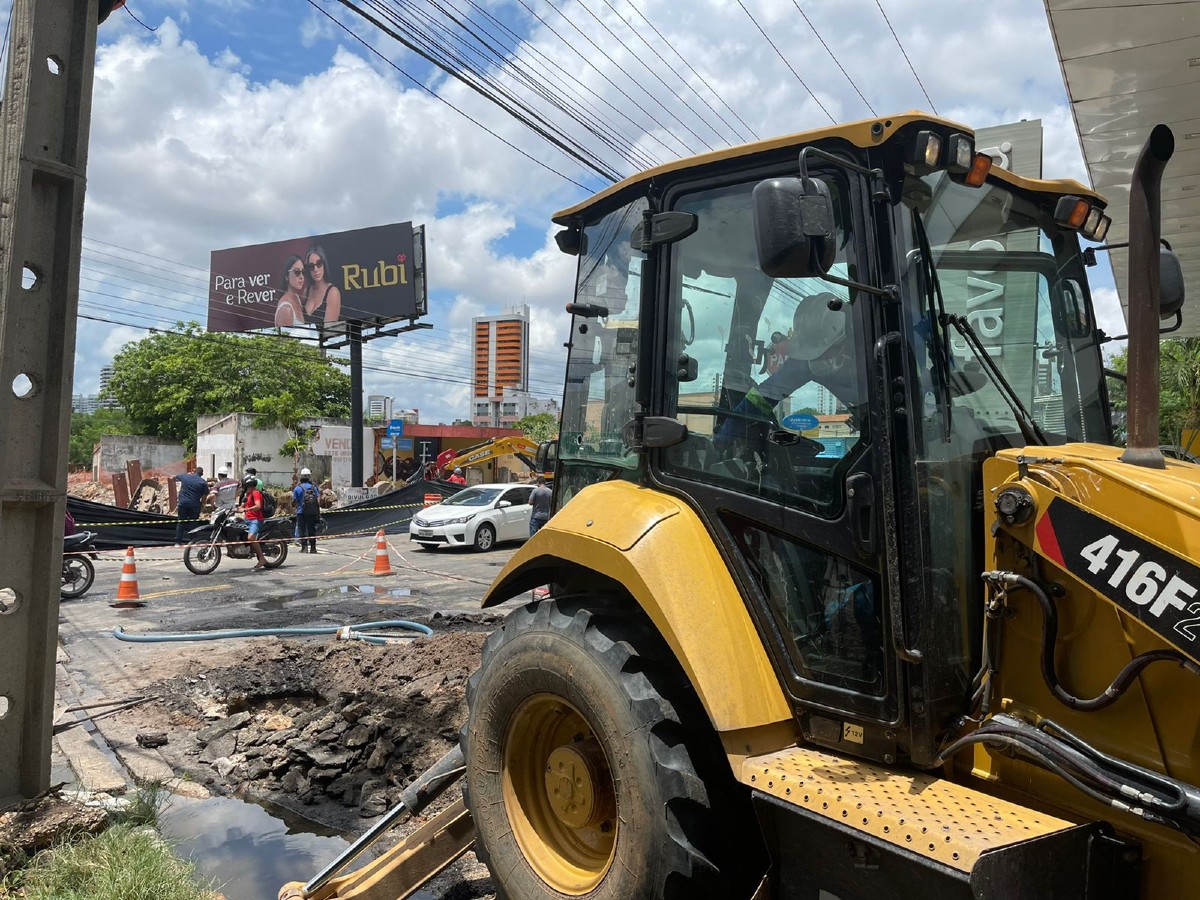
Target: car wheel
column 485, row 537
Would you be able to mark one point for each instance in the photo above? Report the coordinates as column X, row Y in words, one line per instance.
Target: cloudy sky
column 245, row 121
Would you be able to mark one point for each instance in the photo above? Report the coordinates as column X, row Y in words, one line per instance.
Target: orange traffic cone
column 382, row 565
column 128, row 589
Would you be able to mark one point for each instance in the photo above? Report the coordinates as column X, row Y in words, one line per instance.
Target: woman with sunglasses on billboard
column 322, row 300
column 290, row 309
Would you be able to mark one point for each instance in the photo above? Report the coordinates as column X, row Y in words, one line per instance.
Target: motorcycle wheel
column 201, row 557
column 78, row 573
column 274, row 552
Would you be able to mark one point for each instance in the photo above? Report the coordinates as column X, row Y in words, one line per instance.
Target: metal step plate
column 921, row 813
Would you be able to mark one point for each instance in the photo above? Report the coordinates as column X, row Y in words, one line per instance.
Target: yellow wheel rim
column 559, row 795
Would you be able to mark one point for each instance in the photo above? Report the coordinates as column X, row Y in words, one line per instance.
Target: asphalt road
column 335, row 587
column 306, row 590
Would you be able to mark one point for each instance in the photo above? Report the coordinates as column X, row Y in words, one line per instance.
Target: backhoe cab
column 851, row 593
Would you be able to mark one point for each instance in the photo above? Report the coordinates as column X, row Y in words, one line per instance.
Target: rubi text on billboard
column 368, row 275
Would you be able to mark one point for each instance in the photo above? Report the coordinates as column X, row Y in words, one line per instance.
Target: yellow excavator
column 523, row 448
column 951, row 654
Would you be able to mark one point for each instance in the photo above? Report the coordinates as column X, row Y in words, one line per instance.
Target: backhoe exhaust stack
column 1141, row 446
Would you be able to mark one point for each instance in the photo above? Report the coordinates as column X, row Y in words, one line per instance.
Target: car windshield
column 472, row 497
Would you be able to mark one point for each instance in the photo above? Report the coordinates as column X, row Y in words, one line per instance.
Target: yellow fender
column 659, row 551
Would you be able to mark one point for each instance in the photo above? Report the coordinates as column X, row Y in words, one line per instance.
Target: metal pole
column 354, row 334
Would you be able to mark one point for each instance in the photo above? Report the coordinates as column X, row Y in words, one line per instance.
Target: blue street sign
column 395, row 428
column 385, row 444
column 404, row 443
column 801, row 422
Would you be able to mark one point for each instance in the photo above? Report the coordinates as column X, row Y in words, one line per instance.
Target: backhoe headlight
column 961, row 153
column 927, row 152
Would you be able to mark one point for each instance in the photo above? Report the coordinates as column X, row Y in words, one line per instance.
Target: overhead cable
column 767, row 38
column 905, row 54
column 434, row 94
column 833, row 56
column 701, row 78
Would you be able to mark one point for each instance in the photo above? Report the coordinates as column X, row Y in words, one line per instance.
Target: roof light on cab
column 961, row 153
column 978, row 173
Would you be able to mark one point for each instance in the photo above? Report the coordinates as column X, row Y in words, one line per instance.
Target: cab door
column 773, row 378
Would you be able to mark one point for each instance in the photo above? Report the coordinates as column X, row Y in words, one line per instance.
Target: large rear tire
column 592, row 770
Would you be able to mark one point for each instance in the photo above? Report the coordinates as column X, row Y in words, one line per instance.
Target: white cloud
column 196, row 150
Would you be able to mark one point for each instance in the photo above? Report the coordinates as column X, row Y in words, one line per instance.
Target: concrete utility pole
column 44, row 122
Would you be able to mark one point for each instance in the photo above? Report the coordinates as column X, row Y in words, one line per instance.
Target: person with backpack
column 252, row 507
column 307, row 500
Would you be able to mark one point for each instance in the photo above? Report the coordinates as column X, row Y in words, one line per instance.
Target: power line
column 182, row 305
column 431, row 47
column 767, row 38
column 570, row 46
column 508, row 59
column 691, row 69
column 440, row 99
column 836, row 61
column 655, row 75
column 906, row 59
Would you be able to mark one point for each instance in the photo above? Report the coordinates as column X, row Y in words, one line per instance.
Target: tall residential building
column 501, row 345
column 379, row 406
column 106, row 374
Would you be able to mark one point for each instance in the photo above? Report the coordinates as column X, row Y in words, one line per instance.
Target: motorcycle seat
column 78, row 539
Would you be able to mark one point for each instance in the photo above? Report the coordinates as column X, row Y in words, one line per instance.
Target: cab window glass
column 767, row 372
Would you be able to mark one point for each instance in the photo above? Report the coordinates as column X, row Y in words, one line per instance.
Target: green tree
column 87, row 429
column 166, row 380
column 1179, row 390
column 538, row 427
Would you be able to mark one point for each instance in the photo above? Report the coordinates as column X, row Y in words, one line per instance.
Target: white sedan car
column 478, row 517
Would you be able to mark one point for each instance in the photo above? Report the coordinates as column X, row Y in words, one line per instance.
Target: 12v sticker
column 1154, row 585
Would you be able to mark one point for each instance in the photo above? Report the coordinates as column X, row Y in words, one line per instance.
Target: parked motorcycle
column 78, row 573
column 203, row 552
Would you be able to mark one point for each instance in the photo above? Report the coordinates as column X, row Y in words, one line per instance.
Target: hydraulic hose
column 1124, row 678
column 346, row 632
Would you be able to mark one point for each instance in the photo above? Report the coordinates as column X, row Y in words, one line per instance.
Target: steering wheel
column 690, row 335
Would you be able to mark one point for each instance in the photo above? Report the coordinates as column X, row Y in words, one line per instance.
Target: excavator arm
column 411, row 863
column 521, row 447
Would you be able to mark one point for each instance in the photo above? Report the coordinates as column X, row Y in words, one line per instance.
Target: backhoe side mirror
column 1170, row 283
column 794, row 227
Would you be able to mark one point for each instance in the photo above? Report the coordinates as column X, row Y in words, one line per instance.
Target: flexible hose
column 1120, row 684
column 349, row 632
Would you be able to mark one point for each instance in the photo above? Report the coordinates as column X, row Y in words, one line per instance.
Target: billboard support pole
column 354, row 337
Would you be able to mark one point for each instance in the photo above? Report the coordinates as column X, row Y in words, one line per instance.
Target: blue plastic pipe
column 352, row 630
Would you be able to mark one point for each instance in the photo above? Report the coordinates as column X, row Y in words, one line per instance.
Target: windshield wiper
column 939, row 340
column 1030, row 429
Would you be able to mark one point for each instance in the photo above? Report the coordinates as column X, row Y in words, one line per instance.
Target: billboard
column 369, row 275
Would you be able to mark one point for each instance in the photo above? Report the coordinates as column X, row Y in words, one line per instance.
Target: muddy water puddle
column 250, row 849
column 382, row 594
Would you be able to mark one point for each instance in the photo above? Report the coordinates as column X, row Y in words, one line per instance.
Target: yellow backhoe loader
column 951, row 654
